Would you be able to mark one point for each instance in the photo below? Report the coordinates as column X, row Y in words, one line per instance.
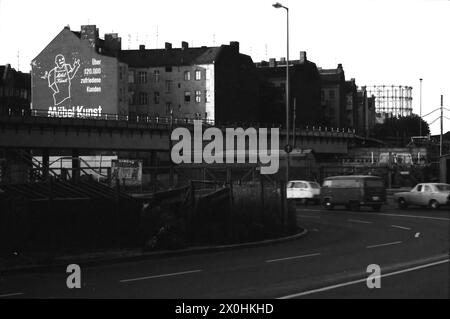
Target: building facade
column 78, row 74
column 15, row 91
column 304, row 91
column 334, row 96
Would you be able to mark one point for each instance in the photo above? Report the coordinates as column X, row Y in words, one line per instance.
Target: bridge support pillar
column 45, row 163
column 75, row 164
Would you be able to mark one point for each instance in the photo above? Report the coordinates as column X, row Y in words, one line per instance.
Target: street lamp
column 420, row 112
column 287, row 149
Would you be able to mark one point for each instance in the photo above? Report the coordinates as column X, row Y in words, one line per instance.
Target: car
column 353, row 191
column 431, row 195
column 303, row 191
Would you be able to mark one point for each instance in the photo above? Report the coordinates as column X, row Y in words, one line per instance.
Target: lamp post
column 420, row 111
column 278, row 6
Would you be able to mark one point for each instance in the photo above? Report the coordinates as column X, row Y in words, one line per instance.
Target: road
column 410, row 246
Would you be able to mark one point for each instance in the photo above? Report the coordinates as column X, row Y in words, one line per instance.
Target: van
column 353, row 191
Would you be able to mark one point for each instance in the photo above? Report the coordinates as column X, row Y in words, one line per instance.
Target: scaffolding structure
column 391, row 100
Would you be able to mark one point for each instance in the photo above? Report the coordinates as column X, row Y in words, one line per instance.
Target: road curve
column 410, row 246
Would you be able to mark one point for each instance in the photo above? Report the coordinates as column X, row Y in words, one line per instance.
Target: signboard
column 126, row 171
column 70, row 79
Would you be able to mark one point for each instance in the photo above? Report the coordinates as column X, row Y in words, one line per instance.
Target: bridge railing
column 177, row 121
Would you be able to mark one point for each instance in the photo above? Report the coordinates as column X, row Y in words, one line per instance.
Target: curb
column 150, row 255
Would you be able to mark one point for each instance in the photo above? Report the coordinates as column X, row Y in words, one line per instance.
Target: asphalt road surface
column 411, row 247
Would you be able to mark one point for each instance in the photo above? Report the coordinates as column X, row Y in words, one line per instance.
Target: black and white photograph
column 223, row 155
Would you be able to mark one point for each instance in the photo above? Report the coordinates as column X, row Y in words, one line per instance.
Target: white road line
column 411, row 216
column 293, row 257
column 309, row 292
column 401, row 227
column 359, row 221
column 387, row 244
column 417, row 235
column 164, row 275
column 12, row 295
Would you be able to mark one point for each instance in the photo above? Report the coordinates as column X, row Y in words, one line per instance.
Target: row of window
column 11, row 92
column 141, row 77
column 142, row 98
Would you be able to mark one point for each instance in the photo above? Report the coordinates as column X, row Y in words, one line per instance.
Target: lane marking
column 293, row 257
column 411, row 216
column 382, row 245
column 401, row 227
column 12, row 295
column 417, row 235
column 309, row 292
column 359, row 221
column 161, row 276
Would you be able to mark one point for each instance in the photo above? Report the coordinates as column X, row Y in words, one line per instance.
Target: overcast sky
column 392, row 42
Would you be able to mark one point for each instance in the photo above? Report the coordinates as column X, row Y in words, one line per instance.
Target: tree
column 401, row 129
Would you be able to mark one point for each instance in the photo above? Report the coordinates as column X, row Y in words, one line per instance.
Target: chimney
column 113, row 43
column 184, row 45
column 168, row 46
column 142, row 47
column 303, row 58
column 235, row 45
column 272, row 63
column 90, row 33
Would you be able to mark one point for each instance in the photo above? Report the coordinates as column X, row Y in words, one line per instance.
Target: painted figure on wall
column 60, row 78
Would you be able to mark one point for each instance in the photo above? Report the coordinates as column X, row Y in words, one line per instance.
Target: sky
column 391, row 42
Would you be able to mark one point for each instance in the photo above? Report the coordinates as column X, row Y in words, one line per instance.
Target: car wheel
column 402, row 203
column 434, row 204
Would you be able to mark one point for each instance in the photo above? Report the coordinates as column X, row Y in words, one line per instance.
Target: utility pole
column 420, row 113
column 442, row 124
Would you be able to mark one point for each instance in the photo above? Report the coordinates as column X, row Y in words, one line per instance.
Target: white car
column 304, row 191
column 431, row 195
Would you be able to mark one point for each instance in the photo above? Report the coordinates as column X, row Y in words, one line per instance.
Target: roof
column 166, row 57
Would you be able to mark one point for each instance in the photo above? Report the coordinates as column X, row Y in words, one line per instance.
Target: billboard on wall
column 70, row 79
column 126, row 171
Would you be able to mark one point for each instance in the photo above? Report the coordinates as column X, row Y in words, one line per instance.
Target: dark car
column 353, row 191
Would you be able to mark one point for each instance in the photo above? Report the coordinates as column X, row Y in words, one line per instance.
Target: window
column 120, row 94
column 156, row 97
column 156, row 76
column 187, row 76
column 342, row 183
column 187, row 97
column 322, row 96
column 143, row 98
column 374, row 183
column 198, row 75
column 419, row 188
column 131, row 77
column 120, row 73
column 168, row 86
column 169, row 68
column 427, row 188
column 331, row 94
column 142, row 77
column 168, row 108
column 198, row 96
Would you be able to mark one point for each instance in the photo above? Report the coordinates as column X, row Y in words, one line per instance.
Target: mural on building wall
column 60, row 78
column 70, row 79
